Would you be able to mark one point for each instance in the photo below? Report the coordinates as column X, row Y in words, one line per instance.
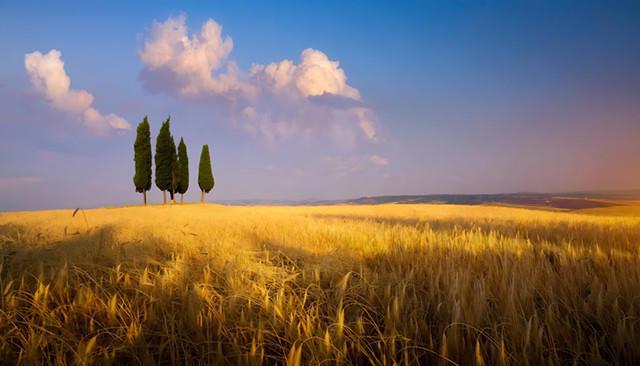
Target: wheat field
column 381, row 285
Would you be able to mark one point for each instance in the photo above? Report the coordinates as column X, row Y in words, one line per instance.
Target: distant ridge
column 561, row 200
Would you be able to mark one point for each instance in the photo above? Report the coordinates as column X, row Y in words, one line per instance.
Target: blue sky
column 438, row 97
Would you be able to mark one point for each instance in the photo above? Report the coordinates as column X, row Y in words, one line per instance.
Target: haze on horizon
column 320, row 100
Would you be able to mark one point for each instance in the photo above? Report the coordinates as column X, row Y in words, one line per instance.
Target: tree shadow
column 81, row 272
column 28, row 251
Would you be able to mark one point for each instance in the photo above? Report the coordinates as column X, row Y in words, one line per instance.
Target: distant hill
column 515, row 199
column 563, row 200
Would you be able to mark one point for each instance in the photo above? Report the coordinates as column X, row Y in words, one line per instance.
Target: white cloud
column 315, row 75
column 52, row 82
column 197, row 65
column 278, row 101
column 379, row 160
column 192, row 60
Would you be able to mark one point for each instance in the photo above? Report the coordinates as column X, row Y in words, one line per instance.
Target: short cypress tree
column 163, row 159
column 183, row 170
column 205, row 175
column 142, row 158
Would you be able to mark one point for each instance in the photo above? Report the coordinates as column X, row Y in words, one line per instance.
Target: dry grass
column 391, row 284
column 628, row 208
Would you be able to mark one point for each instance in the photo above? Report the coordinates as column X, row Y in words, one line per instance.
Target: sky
column 320, row 100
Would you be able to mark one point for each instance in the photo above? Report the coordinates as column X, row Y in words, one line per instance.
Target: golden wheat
column 383, row 285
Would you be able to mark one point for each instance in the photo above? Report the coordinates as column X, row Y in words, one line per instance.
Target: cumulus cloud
column 192, row 61
column 315, row 75
column 277, row 101
column 52, row 82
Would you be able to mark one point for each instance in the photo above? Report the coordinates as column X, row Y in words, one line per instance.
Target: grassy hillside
column 306, row 285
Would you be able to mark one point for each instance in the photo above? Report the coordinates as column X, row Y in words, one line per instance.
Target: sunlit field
column 382, row 285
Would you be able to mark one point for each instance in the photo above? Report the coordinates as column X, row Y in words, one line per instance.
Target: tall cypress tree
column 142, row 158
column 175, row 175
column 183, row 170
column 205, row 175
column 163, row 159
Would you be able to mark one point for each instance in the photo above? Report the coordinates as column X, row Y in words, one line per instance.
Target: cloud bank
column 50, row 80
column 279, row 101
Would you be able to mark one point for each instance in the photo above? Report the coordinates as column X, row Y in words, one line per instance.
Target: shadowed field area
column 403, row 284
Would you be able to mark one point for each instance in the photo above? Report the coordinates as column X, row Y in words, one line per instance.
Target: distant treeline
column 172, row 168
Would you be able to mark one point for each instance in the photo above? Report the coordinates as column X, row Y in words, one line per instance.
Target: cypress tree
column 142, row 158
column 163, row 159
column 175, row 175
column 205, row 175
column 183, row 170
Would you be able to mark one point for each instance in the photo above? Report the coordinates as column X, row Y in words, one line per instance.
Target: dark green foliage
column 164, row 157
column 183, row 168
column 205, row 175
column 142, row 157
column 173, row 164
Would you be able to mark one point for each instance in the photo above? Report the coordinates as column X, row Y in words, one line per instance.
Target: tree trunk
column 172, row 196
column 164, row 197
column 202, row 196
column 181, row 198
column 144, row 194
